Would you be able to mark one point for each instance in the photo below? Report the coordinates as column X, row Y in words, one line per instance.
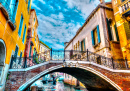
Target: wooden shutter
column 117, row 37
column 127, row 30
column 98, row 34
column 109, row 30
column 92, row 35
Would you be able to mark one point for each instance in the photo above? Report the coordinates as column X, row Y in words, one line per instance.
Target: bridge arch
column 93, row 80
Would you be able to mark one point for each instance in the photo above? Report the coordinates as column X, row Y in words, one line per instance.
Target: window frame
column 20, row 25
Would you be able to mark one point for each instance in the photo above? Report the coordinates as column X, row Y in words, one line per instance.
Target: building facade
column 14, row 18
column 121, row 10
column 98, row 34
column 44, row 52
column 32, row 40
column 68, row 79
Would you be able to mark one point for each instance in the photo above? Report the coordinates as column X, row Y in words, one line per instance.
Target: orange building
column 32, row 42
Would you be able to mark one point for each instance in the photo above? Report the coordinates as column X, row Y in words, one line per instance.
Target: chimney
column 102, row 2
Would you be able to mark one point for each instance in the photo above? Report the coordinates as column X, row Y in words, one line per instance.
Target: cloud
column 36, row 7
column 56, row 31
column 85, row 6
column 59, row 20
column 59, row 16
column 42, row 1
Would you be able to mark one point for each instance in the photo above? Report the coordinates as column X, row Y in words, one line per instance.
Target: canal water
column 60, row 86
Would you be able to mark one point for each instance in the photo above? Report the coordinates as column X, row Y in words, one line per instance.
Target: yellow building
column 14, row 18
column 122, row 17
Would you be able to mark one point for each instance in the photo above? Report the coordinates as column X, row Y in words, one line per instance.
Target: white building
column 44, row 52
column 98, row 32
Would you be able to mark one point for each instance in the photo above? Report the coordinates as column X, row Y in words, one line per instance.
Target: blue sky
column 60, row 19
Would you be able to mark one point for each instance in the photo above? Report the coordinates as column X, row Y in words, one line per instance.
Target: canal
column 60, row 86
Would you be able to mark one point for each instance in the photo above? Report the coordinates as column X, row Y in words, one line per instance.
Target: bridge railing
column 72, row 55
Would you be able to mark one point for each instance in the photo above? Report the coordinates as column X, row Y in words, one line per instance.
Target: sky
column 60, row 19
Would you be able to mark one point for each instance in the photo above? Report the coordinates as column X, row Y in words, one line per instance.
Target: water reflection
column 60, row 86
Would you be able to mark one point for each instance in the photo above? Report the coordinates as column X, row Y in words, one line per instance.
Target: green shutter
column 30, row 50
column 127, row 30
column 84, row 44
column 116, row 32
column 81, row 46
column 92, row 35
column 20, row 58
column 98, row 33
column 109, row 30
column 24, row 33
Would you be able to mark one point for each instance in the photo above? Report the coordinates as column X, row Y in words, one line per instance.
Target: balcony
column 124, row 7
column 5, row 8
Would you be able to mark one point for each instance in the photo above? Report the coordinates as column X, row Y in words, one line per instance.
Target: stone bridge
column 94, row 76
column 96, row 72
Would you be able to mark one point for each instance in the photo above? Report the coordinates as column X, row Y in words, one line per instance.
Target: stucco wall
column 97, row 19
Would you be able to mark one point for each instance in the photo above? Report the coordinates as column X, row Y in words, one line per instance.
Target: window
column 78, row 44
column 30, row 50
column 14, row 57
column 113, row 35
column 95, row 34
column 20, row 26
column 74, row 47
column 34, row 20
column 83, row 45
column 7, row 2
column 16, row 52
column 20, row 58
column 14, row 6
column 117, row 37
column 127, row 29
column 28, row 5
column 24, row 33
column 32, row 32
column 122, row 0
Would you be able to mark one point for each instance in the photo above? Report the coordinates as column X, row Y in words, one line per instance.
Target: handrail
column 72, row 55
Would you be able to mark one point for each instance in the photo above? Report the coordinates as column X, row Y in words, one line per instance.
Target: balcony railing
column 70, row 55
column 125, row 6
column 10, row 15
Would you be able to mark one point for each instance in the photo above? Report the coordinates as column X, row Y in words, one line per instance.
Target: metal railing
column 6, row 6
column 64, row 55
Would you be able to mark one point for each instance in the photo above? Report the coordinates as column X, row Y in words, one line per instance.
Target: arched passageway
column 2, row 56
column 93, row 80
